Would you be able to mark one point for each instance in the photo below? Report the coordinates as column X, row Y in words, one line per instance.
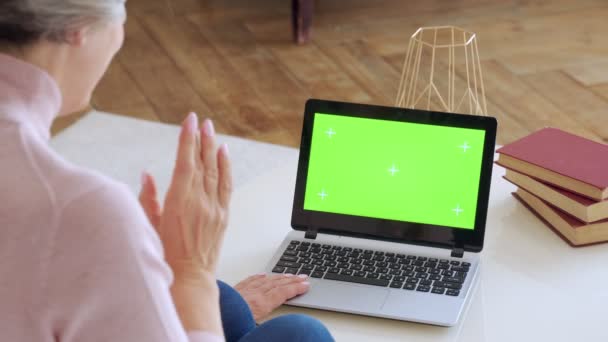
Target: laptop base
column 379, row 301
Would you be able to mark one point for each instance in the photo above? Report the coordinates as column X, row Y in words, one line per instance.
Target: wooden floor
column 545, row 62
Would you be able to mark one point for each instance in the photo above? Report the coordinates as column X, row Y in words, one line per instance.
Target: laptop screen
column 394, row 170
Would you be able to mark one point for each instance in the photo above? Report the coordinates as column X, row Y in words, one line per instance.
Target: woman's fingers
column 207, row 156
column 281, row 294
column 193, row 219
column 247, row 282
column 260, row 284
column 186, row 154
column 224, row 188
column 281, row 280
column 149, row 200
column 278, row 280
column 264, row 293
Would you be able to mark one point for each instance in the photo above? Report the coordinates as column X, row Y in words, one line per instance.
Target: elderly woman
column 80, row 258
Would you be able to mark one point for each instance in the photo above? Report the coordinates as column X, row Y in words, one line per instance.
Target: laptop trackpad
column 346, row 296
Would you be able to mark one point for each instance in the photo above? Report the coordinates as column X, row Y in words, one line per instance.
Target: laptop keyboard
column 363, row 266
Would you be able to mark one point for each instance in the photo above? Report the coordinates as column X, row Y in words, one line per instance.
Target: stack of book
column 563, row 179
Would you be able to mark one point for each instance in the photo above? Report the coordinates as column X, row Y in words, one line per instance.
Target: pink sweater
column 79, row 260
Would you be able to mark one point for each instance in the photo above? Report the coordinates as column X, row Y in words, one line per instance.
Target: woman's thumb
column 148, row 199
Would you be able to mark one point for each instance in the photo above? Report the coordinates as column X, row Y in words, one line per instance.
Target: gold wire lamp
column 442, row 72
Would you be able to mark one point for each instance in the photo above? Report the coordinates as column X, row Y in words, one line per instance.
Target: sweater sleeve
column 107, row 279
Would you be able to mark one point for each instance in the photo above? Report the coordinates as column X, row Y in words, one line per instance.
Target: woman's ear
column 77, row 37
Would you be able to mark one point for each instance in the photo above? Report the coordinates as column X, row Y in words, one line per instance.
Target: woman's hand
column 265, row 293
column 192, row 222
column 194, row 216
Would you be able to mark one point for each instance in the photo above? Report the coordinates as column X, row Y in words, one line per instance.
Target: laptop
column 389, row 210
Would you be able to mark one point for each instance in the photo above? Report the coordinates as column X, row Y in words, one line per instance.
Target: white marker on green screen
column 393, row 170
column 322, row 194
column 465, row 147
column 457, row 210
column 330, row 133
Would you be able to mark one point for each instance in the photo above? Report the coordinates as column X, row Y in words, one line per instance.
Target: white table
column 533, row 286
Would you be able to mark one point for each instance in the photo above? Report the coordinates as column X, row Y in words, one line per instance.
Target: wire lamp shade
column 442, row 72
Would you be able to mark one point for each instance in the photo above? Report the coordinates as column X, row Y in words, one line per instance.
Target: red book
column 563, row 159
column 575, row 232
column 583, row 208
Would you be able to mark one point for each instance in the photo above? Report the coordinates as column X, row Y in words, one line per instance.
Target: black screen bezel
column 390, row 230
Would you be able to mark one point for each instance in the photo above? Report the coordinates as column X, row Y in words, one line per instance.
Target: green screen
column 394, row 170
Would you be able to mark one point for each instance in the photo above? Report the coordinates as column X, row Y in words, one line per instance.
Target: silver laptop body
column 383, row 267
column 386, row 302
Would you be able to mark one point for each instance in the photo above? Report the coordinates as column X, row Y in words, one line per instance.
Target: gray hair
column 25, row 21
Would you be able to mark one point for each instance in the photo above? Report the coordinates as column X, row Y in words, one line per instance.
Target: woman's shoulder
column 71, row 183
column 83, row 194
column 100, row 200
column 87, row 202
column 105, row 211
column 64, row 180
column 82, row 185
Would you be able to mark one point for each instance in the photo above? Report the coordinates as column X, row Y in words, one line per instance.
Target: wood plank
column 165, row 87
column 336, row 22
column 402, row 18
column 234, row 104
column 522, row 38
column 171, row 7
column 601, row 90
column 589, row 109
column 574, row 29
column 319, row 74
column 314, row 70
column 531, row 62
column 278, row 89
column 525, row 105
column 589, row 74
column 371, row 72
column 118, row 93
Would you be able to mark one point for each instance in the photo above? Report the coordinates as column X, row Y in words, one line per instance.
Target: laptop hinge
column 457, row 252
column 311, row 233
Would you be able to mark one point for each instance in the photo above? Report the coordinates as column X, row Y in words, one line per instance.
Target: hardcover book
column 563, row 159
column 582, row 208
column 575, row 232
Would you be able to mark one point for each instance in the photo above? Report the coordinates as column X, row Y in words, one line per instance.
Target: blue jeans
column 239, row 324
